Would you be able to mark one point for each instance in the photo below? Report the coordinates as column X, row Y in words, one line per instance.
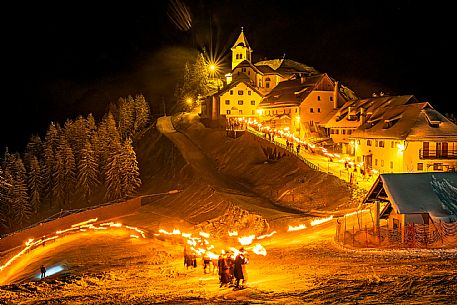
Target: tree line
column 73, row 164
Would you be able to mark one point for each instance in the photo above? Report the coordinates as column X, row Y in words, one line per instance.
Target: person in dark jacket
column 239, row 270
column 43, row 271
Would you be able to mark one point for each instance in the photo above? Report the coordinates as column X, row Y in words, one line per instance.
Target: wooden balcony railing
column 437, row 154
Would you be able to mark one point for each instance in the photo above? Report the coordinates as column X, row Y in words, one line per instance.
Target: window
column 231, row 92
column 240, row 111
column 252, row 112
column 349, row 131
column 437, row 166
column 381, row 143
column 318, row 97
column 227, row 102
column 337, row 131
column 420, row 166
column 382, row 163
column 391, row 164
column 318, row 110
column 267, row 85
column 249, row 92
column 311, row 110
column 343, row 131
column 376, row 162
column 392, row 144
column 368, row 142
column 331, row 99
column 252, row 102
column 228, row 111
column 240, row 102
column 358, row 159
column 296, row 110
column 240, row 92
column 243, row 69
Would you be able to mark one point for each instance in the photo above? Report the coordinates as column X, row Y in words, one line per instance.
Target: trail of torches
column 79, row 227
column 198, row 245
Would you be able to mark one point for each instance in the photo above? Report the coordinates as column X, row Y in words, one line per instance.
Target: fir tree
column 35, row 184
column 113, row 173
column 142, row 113
column 130, row 172
column 87, row 171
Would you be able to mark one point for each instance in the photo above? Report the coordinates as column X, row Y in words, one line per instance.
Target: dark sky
column 72, row 57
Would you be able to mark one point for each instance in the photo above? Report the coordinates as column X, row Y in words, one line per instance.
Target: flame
column 234, row 233
column 246, row 240
column 78, row 227
column 266, row 235
column 259, row 250
column 296, row 228
column 203, row 234
column 321, row 220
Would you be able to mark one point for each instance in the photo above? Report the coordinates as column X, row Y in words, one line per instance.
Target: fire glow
column 79, row 227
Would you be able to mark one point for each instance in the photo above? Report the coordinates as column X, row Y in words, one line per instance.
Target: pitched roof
column 286, row 66
column 416, row 121
column 242, row 41
column 291, row 92
column 349, row 115
column 242, row 78
column 433, row 192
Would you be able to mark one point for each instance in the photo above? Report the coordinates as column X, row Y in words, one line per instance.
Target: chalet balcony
column 437, row 154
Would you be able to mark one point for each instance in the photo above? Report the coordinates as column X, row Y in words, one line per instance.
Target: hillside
column 221, row 185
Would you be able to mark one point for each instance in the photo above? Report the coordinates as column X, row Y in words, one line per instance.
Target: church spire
column 241, row 50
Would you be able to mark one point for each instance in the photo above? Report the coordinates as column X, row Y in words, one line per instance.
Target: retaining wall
column 102, row 213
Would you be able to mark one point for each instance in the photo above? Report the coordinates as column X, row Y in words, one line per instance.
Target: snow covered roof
column 349, row 115
column 413, row 122
column 433, row 192
column 291, row 92
column 286, row 66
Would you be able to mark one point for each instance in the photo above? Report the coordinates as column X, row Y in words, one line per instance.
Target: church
column 279, row 92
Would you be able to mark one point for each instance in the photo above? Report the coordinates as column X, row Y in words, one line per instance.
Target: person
column 240, row 269
column 43, row 271
column 206, row 262
column 224, row 270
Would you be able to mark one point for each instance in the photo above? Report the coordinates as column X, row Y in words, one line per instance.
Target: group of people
column 232, row 270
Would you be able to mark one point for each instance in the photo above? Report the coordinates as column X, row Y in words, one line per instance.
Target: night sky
column 72, row 58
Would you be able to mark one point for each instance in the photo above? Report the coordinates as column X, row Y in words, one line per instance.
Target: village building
column 247, row 84
column 405, row 138
column 413, row 198
column 303, row 104
column 343, row 121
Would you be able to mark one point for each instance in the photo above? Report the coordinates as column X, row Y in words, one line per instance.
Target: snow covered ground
column 301, row 267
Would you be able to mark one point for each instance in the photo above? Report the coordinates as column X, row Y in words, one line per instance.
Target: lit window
column 228, row 111
column 227, row 102
column 241, row 111
column 437, row 166
column 382, row 163
column 420, row 166
column 249, row 92
column 368, row 142
column 240, row 102
column 240, row 92
column 381, row 143
column 376, row 162
column 391, row 164
column 252, row 102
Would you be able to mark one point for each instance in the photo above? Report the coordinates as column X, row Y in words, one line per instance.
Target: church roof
column 242, row 41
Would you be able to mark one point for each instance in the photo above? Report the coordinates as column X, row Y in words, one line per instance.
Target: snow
column 225, row 195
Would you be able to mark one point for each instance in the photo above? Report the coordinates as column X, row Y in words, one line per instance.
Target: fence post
column 353, row 235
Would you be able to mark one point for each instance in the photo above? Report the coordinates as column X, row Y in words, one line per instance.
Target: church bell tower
column 241, row 50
